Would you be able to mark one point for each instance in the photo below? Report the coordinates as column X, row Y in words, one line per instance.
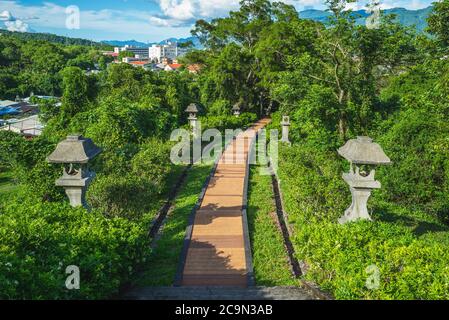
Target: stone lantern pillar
column 285, row 128
column 237, row 108
column 192, row 110
column 74, row 153
column 363, row 155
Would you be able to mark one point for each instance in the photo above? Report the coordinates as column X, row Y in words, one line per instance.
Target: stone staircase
column 221, row 293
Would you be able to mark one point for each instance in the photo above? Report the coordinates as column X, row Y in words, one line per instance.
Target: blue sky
column 142, row 20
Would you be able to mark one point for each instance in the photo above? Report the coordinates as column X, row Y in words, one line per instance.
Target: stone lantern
column 192, row 110
column 363, row 155
column 74, row 153
column 237, row 108
column 285, row 128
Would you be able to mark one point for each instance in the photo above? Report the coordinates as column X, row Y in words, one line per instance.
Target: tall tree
column 439, row 22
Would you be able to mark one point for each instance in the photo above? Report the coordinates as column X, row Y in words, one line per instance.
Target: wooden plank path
column 218, row 251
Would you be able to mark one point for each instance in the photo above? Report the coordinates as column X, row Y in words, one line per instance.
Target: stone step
column 220, row 293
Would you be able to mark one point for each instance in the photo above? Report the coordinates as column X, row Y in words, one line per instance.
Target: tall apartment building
column 170, row 50
column 142, row 52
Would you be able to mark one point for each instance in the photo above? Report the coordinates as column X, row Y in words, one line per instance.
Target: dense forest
column 36, row 66
column 336, row 80
column 53, row 38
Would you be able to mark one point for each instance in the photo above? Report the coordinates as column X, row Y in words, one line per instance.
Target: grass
column 271, row 267
column 163, row 263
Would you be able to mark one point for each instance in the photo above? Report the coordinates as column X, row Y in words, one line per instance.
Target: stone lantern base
column 76, row 189
column 361, row 189
column 285, row 137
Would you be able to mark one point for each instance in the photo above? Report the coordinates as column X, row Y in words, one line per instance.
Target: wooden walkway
column 218, row 251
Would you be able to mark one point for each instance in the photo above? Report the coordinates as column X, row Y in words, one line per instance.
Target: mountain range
column 134, row 43
column 417, row 18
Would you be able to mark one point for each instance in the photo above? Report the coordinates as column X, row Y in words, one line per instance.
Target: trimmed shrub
column 39, row 240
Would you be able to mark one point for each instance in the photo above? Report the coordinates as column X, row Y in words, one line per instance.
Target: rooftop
column 175, row 65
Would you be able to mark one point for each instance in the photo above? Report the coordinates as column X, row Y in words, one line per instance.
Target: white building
column 141, row 52
column 170, row 50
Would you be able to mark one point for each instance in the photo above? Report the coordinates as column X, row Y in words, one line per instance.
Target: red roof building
column 175, row 66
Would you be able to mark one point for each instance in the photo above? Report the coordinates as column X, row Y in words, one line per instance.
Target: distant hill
column 119, row 43
column 50, row 38
column 406, row 17
column 134, row 43
column 403, row 16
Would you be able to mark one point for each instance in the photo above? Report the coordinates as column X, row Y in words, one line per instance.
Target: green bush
column 314, row 181
column 126, row 196
column 409, row 247
column 27, row 161
column 135, row 189
column 224, row 122
column 417, row 143
column 39, row 240
column 153, row 163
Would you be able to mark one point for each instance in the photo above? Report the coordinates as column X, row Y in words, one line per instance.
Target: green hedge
column 224, row 122
column 38, row 241
column 409, row 247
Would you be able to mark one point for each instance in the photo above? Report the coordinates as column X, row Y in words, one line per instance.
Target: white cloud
column 17, row 25
column 12, row 23
column 6, row 16
column 185, row 12
column 51, row 15
column 171, row 18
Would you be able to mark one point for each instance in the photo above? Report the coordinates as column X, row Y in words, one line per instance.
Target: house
column 194, row 68
column 173, row 67
column 134, row 59
column 28, row 127
column 8, row 107
column 170, row 50
column 141, row 64
column 110, row 53
column 142, row 52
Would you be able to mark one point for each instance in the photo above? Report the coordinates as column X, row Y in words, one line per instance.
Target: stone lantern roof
column 285, row 121
column 364, row 151
column 192, row 108
column 237, row 106
column 75, row 149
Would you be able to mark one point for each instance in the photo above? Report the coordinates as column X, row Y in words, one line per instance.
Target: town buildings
column 155, row 53
column 139, row 52
column 171, row 50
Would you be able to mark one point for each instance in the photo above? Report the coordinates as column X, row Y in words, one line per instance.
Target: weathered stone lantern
column 74, row 153
column 192, row 110
column 363, row 155
column 237, row 108
column 285, row 128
